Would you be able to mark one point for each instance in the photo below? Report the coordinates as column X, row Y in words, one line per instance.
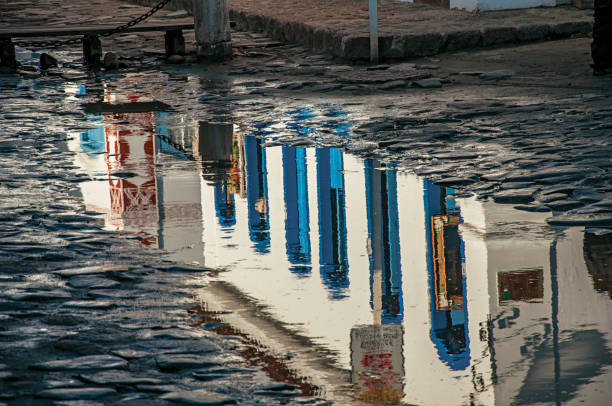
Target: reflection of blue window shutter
column 257, row 192
column 297, row 231
column 332, row 220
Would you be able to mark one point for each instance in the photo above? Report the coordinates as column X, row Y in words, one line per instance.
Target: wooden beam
column 33, row 32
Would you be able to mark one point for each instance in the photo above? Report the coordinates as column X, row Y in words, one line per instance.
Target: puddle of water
column 425, row 296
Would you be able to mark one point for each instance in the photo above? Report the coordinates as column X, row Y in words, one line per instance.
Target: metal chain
column 74, row 41
column 137, row 20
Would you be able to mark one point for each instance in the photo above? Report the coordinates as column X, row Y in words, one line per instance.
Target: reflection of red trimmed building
column 131, row 169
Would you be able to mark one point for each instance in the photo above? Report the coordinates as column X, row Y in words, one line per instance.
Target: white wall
column 487, row 5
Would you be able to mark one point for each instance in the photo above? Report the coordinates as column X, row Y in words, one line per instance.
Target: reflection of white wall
column 516, row 240
column 428, row 381
column 181, row 223
column 95, row 193
column 473, row 229
column 581, row 307
column 485, row 5
column 593, row 308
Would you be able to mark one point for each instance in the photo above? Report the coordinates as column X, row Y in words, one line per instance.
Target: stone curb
column 357, row 47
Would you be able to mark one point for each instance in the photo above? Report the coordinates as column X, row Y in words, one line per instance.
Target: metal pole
column 374, row 31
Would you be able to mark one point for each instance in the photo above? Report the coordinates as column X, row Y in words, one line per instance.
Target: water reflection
column 426, row 297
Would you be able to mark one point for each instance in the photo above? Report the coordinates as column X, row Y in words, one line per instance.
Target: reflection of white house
column 550, row 329
column 514, row 316
column 486, row 303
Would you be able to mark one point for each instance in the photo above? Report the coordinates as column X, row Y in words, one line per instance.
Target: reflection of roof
column 557, row 372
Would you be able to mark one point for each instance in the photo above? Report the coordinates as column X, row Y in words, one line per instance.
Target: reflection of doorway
column 214, row 148
column 448, row 268
column 445, row 263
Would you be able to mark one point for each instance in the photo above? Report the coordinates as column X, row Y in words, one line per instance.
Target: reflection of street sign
column 378, row 363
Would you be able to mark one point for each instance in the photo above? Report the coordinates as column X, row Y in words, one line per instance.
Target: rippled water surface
column 425, row 294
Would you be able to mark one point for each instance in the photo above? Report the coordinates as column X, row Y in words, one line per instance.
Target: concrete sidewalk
column 406, row 30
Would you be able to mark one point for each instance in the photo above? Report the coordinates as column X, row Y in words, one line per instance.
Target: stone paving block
column 499, row 35
column 76, row 393
column 459, row 40
column 198, row 397
column 87, row 362
column 532, row 32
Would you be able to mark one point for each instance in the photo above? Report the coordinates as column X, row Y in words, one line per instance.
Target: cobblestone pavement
column 88, row 317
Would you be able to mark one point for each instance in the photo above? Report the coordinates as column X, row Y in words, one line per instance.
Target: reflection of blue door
column 257, row 193
column 297, row 229
column 332, row 220
column 94, row 140
column 383, row 233
column 445, row 258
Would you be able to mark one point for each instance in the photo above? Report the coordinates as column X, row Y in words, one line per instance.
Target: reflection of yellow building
column 446, row 272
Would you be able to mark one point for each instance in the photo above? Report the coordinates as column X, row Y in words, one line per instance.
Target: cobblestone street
column 144, row 300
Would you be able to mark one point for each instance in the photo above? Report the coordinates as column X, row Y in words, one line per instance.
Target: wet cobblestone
column 89, row 315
